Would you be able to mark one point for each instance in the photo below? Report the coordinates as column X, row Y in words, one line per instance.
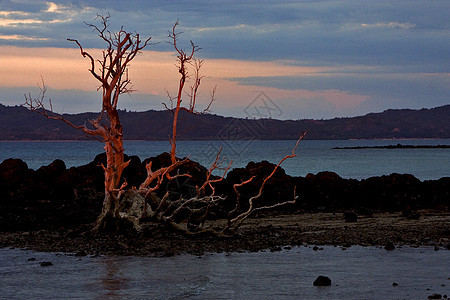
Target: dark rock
column 55, row 197
column 414, row 216
column 322, row 281
column 168, row 254
column 410, row 214
column 395, row 284
column 275, row 249
column 435, row 296
column 57, row 167
column 81, row 253
column 279, row 187
column 31, row 259
column 389, row 246
column 13, row 171
column 364, row 211
column 135, row 172
column 182, row 186
column 46, row 264
column 350, row 216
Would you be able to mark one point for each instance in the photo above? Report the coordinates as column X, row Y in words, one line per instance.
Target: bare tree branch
column 237, row 221
column 184, row 60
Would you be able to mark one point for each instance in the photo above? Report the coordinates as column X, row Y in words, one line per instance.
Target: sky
column 307, row 59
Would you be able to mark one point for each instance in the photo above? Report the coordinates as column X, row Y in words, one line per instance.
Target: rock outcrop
column 54, row 196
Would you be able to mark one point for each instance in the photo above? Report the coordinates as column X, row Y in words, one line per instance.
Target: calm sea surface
column 313, row 156
column 356, row 273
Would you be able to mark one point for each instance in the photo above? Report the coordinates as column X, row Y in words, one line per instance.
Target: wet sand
column 272, row 232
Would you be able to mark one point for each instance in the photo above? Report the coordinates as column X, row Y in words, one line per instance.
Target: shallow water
column 312, row 156
column 356, row 273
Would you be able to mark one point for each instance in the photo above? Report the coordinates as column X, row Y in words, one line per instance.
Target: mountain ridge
column 18, row 123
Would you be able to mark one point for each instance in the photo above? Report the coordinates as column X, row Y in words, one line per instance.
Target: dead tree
column 184, row 60
column 111, row 70
column 167, row 210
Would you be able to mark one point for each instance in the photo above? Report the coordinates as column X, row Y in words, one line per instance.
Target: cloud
column 390, row 25
column 21, row 37
column 314, row 54
column 7, row 14
column 46, row 16
column 52, row 7
column 316, row 32
column 36, row 22
column 375, row 91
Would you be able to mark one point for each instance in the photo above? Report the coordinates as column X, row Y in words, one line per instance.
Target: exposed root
column 202, row 232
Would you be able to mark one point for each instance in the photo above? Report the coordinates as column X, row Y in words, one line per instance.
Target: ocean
column 313, row 156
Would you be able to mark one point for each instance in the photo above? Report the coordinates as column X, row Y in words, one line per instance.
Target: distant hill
column 17, row 123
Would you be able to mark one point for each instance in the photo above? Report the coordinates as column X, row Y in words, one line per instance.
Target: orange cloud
column 154, row 72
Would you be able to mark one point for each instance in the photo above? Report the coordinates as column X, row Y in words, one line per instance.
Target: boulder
column 322, row 281
column 13, row 173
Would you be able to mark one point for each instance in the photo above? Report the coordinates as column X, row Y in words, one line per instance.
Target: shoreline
column 393, row 209
column 398, row 146
column 265, row 232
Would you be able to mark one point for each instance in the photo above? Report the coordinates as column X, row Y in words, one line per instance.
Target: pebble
column 389, row 246
column 46, row 264
column 81, row 253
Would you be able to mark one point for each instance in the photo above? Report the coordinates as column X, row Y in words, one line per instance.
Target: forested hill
column 17, row 123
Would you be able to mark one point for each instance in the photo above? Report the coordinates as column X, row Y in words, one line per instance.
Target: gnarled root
column 200, row 232
column 107, row 223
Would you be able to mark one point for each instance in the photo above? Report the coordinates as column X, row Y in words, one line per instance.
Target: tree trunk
column 109, row 220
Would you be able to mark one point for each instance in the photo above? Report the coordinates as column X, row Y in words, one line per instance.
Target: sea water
column 355, row 273
column 313, row 156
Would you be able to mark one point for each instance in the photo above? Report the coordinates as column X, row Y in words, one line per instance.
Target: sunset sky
column 311, row 58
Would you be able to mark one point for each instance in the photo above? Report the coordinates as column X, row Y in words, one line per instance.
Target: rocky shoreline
column 55, row 196
column 53, row 208
column 264, row 232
